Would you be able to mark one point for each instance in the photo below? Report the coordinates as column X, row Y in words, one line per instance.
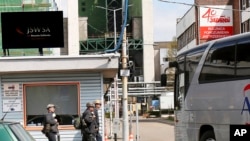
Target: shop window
column 37, row 96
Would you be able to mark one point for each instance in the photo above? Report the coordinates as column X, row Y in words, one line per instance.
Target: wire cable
column 203, row 6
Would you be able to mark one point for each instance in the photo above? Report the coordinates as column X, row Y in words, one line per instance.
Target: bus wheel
column 208, row 136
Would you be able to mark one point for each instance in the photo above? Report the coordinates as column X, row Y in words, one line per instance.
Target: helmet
column 90, row 104
column 50, row 105
column 97, row 102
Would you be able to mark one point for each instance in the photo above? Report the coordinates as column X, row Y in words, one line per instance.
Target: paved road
column 151, row 130
column 155, row 131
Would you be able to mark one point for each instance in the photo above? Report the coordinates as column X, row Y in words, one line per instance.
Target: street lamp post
column 114, row 14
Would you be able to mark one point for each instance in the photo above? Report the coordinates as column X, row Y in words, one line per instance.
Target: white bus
column 212, row 88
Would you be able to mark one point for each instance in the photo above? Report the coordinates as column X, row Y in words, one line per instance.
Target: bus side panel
column 219, row 105
column 184, row 126
column 180, row 126
column 213, row 119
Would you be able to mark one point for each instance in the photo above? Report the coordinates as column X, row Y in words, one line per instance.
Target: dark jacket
column 89, row 119
column 49, row 119
column 97, row 117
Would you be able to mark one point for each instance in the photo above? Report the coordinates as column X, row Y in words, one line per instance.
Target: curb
column 164, row 121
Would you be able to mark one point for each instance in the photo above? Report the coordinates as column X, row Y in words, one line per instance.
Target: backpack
column 79, row 122
column 46, row 128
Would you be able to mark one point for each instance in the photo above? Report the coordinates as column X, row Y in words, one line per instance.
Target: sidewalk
column 118, row 128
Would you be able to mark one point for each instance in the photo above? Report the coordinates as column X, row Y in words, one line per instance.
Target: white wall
column 83, row 28
column 190, row 45
column 163, row 54
column 73, row 28
column 245, row 15
column 148, row 48
column 187, row 20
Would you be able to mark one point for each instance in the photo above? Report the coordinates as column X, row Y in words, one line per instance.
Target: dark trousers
column 88, row 137
column 51, row 136
column 98, row 137
column 83, row 138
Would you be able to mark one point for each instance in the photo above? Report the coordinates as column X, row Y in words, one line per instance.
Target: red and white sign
column 11, row 89
column 216, row 22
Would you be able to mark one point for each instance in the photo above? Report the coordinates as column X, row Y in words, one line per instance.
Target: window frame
column 237, row 44
column 216, row 46
column 60, row 127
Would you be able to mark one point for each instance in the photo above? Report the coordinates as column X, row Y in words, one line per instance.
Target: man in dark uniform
column 98, row 105
column 89, row 131
column 51, row 123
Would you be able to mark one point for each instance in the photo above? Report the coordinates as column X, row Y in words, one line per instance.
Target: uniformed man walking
column 90, row 130
column 51, row 123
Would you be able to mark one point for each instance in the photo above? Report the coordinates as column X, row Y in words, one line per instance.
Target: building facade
column 79, row 71
column 31, row 78
column 28, row 84
column 245, row 18
column 212, row 20
column 104, row 30
column 164, row 52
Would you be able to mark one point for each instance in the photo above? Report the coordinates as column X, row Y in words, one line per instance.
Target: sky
column 165, row 15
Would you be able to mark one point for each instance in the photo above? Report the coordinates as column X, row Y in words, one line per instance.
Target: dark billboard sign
column 32, row 29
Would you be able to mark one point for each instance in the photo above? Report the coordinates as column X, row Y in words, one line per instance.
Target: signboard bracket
column 40, row 51
column 4, row 52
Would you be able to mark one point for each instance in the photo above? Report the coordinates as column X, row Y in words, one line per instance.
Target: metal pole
column 116, row 97
column 124, row 89
column 116, row 104
column 114, row 28
column 137, row 125
column 110, row 114
column 130, row 120
column 103, row 119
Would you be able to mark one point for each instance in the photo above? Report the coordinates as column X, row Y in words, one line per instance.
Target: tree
column 172, row 52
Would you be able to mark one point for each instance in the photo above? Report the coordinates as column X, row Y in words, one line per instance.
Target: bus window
column 180, row 95
column 243, row 60
column 192, row 61
column 219, row 64
column 180, row 61
column 180, row 83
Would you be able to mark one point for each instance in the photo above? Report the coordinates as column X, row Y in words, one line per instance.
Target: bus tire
column 208, row 136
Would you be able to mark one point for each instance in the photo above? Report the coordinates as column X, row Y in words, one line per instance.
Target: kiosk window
column 64, row 95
